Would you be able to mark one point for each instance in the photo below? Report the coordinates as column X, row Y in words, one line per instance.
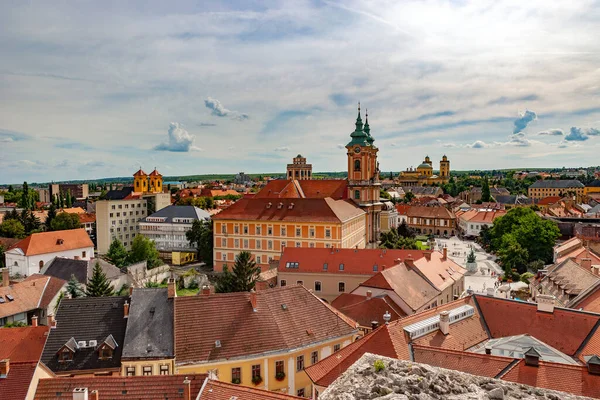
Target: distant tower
column 445, row 168
column 363, row 176
column 140, row 181
column 428, row 161
column 156, row 182
column 299, row 169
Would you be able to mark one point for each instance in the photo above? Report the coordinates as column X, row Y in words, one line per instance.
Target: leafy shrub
column 379, row 365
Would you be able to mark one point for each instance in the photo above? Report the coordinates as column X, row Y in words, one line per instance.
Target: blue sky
column 95, row 89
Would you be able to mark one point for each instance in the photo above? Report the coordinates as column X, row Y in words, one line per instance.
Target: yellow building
column 593, row 187
column 423, row 174
column 144, row 183
column 299, row 169
column 565, row 187
column 259, row 339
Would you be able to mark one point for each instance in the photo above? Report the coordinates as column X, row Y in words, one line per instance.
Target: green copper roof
column 359, row 136
column 425, row 165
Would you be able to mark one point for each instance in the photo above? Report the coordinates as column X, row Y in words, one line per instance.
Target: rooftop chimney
column 51, row 321
column 80, row 394
column 369, row 294
column 130, row 291
column 444, row 253
column 4, row 368
column 34, row 321
column 5, row 277
column 126, row 310
column 383, row 267
column 532, row 357
column 545, row 303
column 445, row 322
column 205, row 290
column 409, row 261
column 94, row 395
column 171, row 289
column 427, row 255
column 253, row 299
column 374, row 325
column 187, row 391
column 593, row 365
column 586, row 263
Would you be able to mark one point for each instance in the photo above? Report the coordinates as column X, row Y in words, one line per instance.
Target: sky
column 93, row 89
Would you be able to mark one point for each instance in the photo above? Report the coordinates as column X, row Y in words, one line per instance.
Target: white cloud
column 179, row 140
column 478, row 144
column 282, row 148
column 552, row 132
column 219, row 110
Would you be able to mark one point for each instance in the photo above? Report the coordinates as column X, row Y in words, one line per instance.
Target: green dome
column 425, row 165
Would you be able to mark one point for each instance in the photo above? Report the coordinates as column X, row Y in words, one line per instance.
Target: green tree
column 409, row 197
column 50, row 217
column 30, row 222
column 392, row 240
column 12, row 228
column 64, row 221
column 384, row 195
column 25, row 198
column 513, row 255
column 485, row 191
column 471, row 257
column 74, row 288
column 68, row 200
column 2, row 262
column 117, row 254
column 201, row 237
column 243, row 276
column 144, row 249
column 98, row 285
column 405, row 231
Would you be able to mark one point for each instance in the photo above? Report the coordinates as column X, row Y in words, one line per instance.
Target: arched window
column 41, row 264
column 357, row 194
column 357, row 165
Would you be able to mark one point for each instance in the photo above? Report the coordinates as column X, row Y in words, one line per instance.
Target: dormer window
column 105, row 352
column 65, row 355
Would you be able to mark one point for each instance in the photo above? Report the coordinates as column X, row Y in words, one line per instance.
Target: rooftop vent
column 2, row 301
column 431, row 324
column 93, row 343
column 59, row 241
column 217, row 343
column 284, row 307
column 291, row 206
column 280, row 205
column 269, row 205
column 10, row 297
column 82, row 343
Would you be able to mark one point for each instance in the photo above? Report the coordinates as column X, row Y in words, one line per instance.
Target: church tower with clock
column 363, row 176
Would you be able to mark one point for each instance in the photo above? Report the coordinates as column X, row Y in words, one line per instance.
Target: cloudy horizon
column 95, row 90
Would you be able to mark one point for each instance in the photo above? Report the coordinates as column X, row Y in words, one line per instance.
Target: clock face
column 357, row 149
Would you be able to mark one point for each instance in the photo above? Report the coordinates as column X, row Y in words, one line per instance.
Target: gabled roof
column 171, row 213
column 365, row 310
column 355, row 261
column 549, row 200
column 155, row 173
column 149, row 331
column 53, row 242
column 35, row 292
column 140, row 172
column 219, row 390
column 16, row 384
column 559, row 184
column 85, row 319
column 569, row 272
column 430, row 212
column 285, row 318
column 156, row 387
column 64, row 268
column 485, row 217
column 310, row 189
column 291, row 210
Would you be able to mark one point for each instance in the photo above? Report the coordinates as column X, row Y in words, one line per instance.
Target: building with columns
column 423, row 174
column 363, row 176
column 299, row 169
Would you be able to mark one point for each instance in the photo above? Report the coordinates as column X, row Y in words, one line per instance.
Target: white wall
column 31, row 265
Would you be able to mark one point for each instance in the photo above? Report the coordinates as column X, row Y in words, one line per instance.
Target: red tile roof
column 35, row 292
column 291, row 210
column 23, row 344
column 472, row 363
column 140, row 172
column 16, row 384
column 53, row 242
column 549, row 200
column 486, row 217
column 402, row 209
column 356, row 261
column 563, row 329
column 285, row 318
column 364, row 310
column 565, row 378
column 309, row 189
column 157, row 387
column 155, row 173
column 430, row 212
column 218, row 390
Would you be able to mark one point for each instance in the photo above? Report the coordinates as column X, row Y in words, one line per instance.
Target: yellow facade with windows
column 266, row 241
column 295, row 382
column 147, row 367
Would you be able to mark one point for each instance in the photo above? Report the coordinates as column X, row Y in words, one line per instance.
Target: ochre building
column 423, row 174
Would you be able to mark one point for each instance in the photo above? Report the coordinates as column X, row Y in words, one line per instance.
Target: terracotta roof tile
column 482, row 216
column 472, row 363
column 563, row 329
column 565, row 378
column 23, row 344
column 56, row 241
column 34, row 292
column 430, row 212
column 310, row 189
column 290, row 210
column 281, row 321
column 218, row 390
column 549, row 200
column 364, row 310
column 140, row 172
column 356, row 261
column 592, row 346
column 157, row 387
column 16, row 384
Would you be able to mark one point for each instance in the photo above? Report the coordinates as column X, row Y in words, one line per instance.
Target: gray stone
column 496, row 394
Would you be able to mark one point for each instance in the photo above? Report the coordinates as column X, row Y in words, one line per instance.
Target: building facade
column 545, row 188
column 472, row 222
column 431, row 220
column 299, row 169
column 423, row 174
column 118, row 219
column 76, row 190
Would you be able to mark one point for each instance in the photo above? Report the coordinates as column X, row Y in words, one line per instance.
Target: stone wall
column 405, row 380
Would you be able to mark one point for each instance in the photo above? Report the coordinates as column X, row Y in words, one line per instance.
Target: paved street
column 486, row 265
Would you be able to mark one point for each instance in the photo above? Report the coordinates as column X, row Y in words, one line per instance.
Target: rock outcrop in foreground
column 405, row 380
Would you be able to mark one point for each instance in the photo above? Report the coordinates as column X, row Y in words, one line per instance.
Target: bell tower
column 445, row 168
column 363, row 176
column 140, row 181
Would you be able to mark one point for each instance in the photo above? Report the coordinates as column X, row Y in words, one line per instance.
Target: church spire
column 366, row 128
column 359, row 124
